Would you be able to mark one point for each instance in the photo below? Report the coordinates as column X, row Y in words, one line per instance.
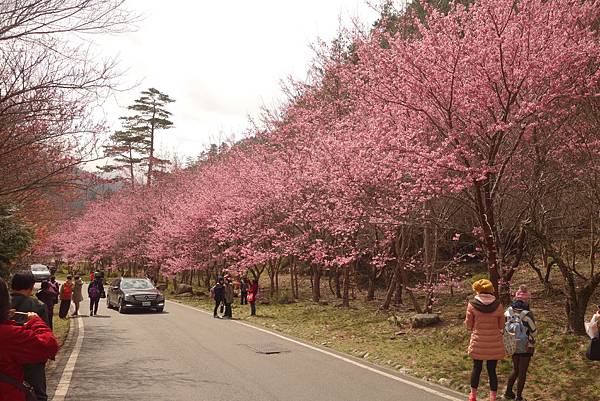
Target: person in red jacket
column 27, row 344
column 252, row 295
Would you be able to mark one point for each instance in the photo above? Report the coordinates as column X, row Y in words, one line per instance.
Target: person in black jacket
column 218, row 292
column 48, row 298
column 22, row 301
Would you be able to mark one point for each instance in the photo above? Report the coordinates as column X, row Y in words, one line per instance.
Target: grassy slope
column 559, row 371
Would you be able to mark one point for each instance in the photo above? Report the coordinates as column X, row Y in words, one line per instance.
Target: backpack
column 94, row 292
column 516, row 339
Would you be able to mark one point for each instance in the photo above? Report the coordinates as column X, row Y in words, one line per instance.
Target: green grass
column 558, row 371
column 60, row 328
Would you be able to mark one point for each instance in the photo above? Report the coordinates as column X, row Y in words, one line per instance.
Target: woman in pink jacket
column 485, row 321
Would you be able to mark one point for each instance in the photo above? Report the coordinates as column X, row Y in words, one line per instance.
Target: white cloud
column 220, row 60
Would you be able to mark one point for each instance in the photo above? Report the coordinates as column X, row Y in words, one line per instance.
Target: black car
column 134, row 293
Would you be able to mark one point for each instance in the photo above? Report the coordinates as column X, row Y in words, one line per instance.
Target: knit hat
column 483, row 286
column 522, row 294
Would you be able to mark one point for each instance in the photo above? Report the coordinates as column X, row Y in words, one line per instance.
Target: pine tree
column 151, row 116
column 125, row 149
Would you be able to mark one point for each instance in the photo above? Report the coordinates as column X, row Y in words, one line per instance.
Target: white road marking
column 340, row 357
column 67, row 374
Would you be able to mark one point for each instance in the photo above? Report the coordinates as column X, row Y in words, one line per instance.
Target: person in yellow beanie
column 485, row 321
column 483, row 286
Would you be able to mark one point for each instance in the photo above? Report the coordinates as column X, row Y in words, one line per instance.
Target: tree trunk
column 338, row 286
column 296, row 285
column 316, row 283
column 577, row 297
column 372, row 275
column 151, row 153
column 346, row 297
column 394, row 282
column 398, row 293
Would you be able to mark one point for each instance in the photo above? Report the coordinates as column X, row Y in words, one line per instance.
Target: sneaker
column 509, row 396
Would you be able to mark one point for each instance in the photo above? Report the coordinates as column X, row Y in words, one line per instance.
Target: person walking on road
column 485, row 320
column 48, row 298
column 77, row 294
column 22, row 301
column 252, row 295
column 218, row 293
column 31, row 343
column 95, row 290
column 518, row 314
column 244, row 291
column 228, row 297
column 66, row 294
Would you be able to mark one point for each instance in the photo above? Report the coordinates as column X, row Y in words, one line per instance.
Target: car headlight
column 128, row 297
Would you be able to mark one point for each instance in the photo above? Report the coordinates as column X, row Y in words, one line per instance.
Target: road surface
column 184, row 354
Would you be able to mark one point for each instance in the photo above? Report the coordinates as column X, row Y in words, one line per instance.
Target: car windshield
column 136, row 284
column 39, row 268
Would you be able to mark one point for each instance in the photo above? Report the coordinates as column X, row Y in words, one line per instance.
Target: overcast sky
column 220, row 60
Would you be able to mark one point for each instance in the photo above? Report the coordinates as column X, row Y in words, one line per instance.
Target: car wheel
column 122, row 306
column 108, row 305
column 160, row 310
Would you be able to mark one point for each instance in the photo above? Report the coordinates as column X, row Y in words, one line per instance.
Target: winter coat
column 55, row 289
column 78, row 291
column 66, row 291
column 485, row 321
column 243, row 287
column 254, row 291
column 218, row 291
column 23, row 303
column 48, row 298
column 95, row 289
column 228, row 293
column 31, row 343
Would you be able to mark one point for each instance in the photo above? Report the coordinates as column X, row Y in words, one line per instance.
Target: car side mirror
column 114, row 288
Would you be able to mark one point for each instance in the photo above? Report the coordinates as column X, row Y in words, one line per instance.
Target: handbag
column 250, row 297
column 24, row 387
column 593, row 351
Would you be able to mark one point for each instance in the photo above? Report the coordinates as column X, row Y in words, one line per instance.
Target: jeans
column 228, row 309
column 243, row 298
column 252, row 308
column 491, row 369
column 94, row 306
column 35, row 375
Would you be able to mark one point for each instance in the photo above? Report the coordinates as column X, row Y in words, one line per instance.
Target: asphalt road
column 183, row 354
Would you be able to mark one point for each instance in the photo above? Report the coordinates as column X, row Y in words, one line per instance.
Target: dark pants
column 50, row 318
column 519, row 374
column 217, row 304
column 35, row 375
column 243, row 298
column 94, row 306
column 491, row 369
column 228, row 310
column 252, row 308
column 63, row 310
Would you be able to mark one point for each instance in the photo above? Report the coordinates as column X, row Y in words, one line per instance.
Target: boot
column 493, row 396
column 473, row 394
